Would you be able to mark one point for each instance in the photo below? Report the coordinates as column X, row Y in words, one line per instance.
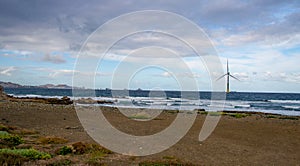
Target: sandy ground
column 251, row 140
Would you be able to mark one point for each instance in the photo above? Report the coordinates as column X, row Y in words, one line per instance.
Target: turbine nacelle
column 228, row 75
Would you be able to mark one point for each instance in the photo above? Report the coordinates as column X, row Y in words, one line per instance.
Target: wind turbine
column 228, row 75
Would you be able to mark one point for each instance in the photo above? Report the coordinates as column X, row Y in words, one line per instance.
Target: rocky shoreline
column 64, row 100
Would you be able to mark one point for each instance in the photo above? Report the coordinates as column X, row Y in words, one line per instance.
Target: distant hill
column 46, row 86
column 10, row 85
column 52, row 86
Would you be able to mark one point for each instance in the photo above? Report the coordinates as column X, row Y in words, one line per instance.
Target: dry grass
column 164, row 163
column 79, row 148
column 52, row 140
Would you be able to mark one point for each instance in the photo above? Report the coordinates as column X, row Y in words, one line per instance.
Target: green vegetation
column 9, row 140
column 215, row 113
column 271, row 116
column 3, row 133
column 169, row 157
column 82, row 148
column 203, row 112
column 138, row 117
column 65, row 150
column 238, row 115
column 95, row 152
column 3, row 128
column 26, row 153
column 200, row 111
column 95, row 158
column 289, row 117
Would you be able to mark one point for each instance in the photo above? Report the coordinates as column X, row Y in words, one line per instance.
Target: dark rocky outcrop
column 65, row 100
column 91, row 101
column 3, row 96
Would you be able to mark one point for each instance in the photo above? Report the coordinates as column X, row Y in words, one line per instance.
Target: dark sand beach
column 251, row 140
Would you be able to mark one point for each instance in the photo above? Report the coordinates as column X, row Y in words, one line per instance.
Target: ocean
column 278, row 103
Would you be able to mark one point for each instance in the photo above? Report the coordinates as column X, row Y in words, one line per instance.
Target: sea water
column 278, row 103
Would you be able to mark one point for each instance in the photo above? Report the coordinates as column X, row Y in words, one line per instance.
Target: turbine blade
column 221, row 77
column 227, row 67
column 234, row 77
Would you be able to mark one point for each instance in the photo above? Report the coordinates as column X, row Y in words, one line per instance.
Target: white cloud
column 166, row 74
column 69, row 73
column 252, row 34
column 8, row 71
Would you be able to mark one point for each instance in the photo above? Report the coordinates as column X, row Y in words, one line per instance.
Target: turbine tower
column 228, row 75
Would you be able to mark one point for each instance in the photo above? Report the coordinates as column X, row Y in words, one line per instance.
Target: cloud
column 8, row 71
column 2, row 46
column 63, row 26
column 243, row 76
column 252, row 34
column 281, row 76
column 69, row 73
column 58, row 59
column 166, row 74
column 186, row 75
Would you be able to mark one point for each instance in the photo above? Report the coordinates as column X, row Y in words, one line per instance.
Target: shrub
column 239, row 115
column 3, row 133
column 171, row 111
column 97, row 148
column 27, row 132
column 65, row 150
column 82, row 148
column 95, row 158
column 3, row 128
column 289, row 117
column 11, row 159
column 52, row 140
column 169, row 157
column 139, row 117
column 27, row 153
column 79, row 148
column 7, row 139
column 271, row 116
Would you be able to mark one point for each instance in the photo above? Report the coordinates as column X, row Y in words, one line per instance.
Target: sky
column 40, row 43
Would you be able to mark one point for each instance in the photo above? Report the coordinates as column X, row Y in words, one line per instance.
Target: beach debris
column 69, row 127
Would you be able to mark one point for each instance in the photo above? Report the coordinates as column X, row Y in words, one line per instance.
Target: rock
column 200, row 111
column 64, row 100
column 91, row 101
column 86, row 101
column 3, row 96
